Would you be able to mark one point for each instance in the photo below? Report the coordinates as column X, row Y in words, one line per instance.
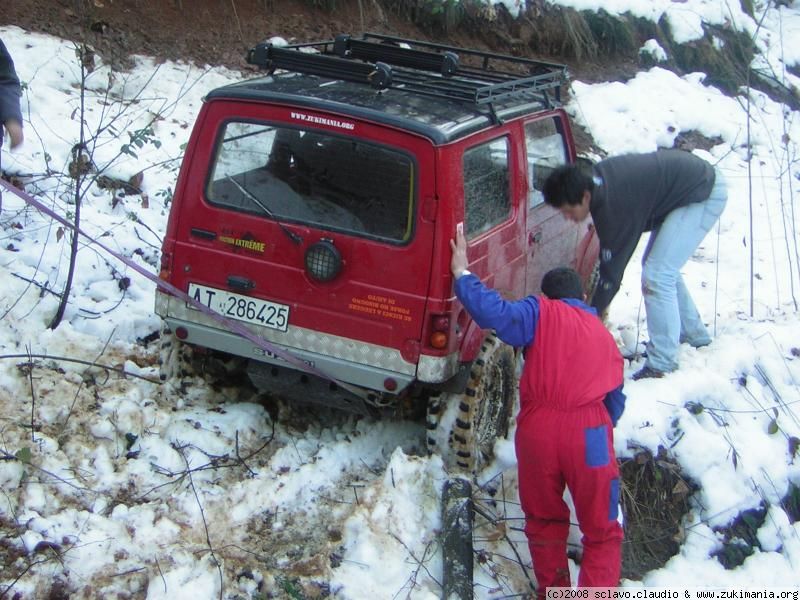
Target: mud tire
column 590, row 285
column 463, row 428
column 175, row 359
column 180, row 365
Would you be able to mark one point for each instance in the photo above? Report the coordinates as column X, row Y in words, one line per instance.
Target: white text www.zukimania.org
column 673, row 593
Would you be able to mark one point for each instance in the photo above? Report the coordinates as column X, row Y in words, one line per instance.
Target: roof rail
column 423, row 68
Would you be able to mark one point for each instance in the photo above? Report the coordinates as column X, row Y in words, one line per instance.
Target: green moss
column 726, row 66
column 433, row 15
column 562, row 32
column 589, row 37
column 614, row 36
column 329, row 5
column 582, row 35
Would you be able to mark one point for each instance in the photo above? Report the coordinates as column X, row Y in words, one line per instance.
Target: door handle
column 534, row 237
column 241, row 283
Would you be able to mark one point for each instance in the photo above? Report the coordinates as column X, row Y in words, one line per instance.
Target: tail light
column 166, row 266
column 440, row 329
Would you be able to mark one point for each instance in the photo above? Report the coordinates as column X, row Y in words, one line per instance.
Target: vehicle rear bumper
column 347, row 360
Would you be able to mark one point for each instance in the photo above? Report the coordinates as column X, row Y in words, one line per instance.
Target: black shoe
column 647, row 373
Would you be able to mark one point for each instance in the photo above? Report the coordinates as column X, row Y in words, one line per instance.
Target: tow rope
column 227, row 323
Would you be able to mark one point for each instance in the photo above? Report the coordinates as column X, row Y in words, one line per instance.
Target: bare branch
column 215, row 463
column 119, row 370
column 205, row 524
column 9, row 587
column 411, row 582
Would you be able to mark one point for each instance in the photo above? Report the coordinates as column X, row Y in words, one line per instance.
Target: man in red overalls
column 570, row 398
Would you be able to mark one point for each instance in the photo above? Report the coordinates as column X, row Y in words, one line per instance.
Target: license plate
column 242, row 308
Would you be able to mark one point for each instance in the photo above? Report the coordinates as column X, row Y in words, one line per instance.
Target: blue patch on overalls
column 613, row 501
column 596, row 446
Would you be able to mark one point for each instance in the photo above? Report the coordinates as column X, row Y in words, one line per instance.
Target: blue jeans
column 672, row 317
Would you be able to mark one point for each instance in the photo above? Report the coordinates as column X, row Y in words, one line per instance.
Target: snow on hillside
column 127, row 488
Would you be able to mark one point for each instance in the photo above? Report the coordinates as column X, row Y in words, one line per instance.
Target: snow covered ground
column 126, row 488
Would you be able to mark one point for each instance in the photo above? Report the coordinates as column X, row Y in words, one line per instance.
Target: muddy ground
column 219, row 32
column 215, row 32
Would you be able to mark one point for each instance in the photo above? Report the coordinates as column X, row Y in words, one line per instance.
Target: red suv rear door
column 304, row 223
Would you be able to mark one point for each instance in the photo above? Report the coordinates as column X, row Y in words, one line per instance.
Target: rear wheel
column 590, row 283
column 463, row 428
column 587, row 261
column 175, row 359
column 181, row 362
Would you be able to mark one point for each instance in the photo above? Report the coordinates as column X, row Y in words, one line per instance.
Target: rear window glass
column 315, row 178
column 486, row 191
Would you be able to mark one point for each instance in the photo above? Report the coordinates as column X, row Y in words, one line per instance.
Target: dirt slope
column 215, row 32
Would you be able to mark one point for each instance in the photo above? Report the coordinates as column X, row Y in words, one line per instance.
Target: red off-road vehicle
column 317, row 204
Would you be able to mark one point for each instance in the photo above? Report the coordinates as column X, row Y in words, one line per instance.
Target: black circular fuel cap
column 323, row 261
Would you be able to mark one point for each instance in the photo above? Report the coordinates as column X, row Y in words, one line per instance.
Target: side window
column 487, row 199
column 546, row 150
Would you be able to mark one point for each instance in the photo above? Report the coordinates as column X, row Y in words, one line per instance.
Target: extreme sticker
column 380, row 306
column 251, row 245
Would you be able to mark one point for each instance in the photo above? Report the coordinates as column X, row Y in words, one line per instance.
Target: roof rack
column 424, row 68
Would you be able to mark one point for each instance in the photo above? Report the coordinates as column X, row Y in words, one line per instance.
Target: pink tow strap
column 227, row 323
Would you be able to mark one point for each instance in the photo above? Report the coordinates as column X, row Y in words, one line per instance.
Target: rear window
column 315, row 178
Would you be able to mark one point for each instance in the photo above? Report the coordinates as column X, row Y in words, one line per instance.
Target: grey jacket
column 634, row 193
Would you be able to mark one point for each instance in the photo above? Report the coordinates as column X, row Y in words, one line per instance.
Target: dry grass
column 655, row 498
column 726, row 68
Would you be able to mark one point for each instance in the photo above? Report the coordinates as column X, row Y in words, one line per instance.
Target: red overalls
column 564, row 436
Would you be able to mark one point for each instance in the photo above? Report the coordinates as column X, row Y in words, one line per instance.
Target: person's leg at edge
column 645, row 257
column 593, row 480
column 541, row 491
column 669, row 249
column 693, row 330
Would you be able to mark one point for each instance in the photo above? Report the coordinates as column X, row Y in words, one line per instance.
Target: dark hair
column 565, row 185
column 562, row 283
